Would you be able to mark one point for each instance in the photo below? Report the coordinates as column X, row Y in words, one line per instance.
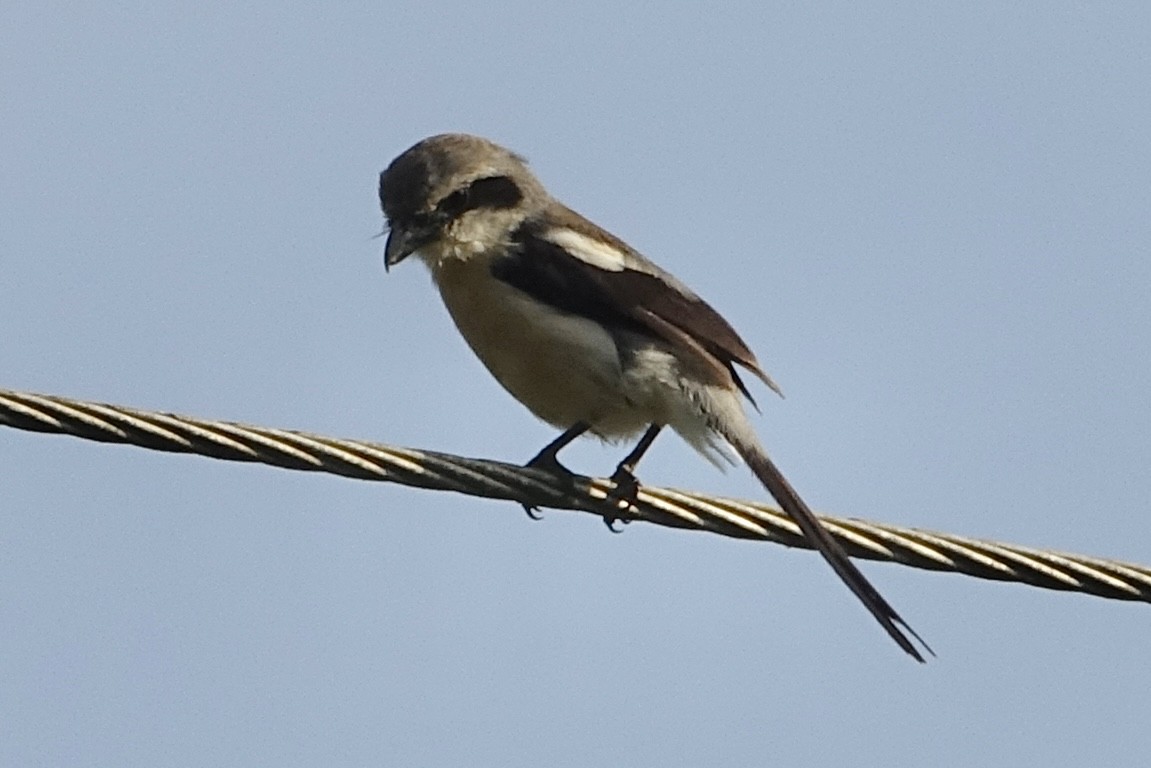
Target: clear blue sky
column 933, row 223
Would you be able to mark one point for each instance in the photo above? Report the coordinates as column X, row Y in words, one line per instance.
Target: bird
column 587, row 333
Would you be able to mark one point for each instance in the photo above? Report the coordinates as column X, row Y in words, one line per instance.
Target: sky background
column 932, row 223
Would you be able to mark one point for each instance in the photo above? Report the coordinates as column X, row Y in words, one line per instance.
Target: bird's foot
column 624, row 494
column 547, row 461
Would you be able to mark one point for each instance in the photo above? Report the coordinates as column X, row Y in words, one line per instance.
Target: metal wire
column 476, row 477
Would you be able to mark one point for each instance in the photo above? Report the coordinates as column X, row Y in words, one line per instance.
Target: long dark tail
column 786, row 496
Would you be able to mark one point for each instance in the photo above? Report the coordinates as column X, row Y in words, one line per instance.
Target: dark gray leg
column 546, row 459
column 627, row 486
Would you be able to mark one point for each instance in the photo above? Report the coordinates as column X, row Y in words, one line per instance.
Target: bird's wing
column 575, row 266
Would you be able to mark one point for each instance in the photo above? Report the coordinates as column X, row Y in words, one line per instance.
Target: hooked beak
column 401, row 244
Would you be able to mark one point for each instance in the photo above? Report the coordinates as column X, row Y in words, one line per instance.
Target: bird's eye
column 493, row 192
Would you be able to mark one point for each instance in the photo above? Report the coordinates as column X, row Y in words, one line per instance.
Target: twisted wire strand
column 497, row 480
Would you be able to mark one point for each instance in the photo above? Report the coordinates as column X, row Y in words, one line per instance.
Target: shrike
column 582, row 329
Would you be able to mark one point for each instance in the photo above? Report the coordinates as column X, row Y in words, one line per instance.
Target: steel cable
column 477, row 477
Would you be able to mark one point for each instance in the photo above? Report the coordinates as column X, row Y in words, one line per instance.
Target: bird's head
column 431, row 195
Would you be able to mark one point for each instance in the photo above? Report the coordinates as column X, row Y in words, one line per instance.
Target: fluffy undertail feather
column 819, row 537
column 708, row 443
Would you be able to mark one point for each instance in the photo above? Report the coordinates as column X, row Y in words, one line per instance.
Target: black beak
column 401, row 244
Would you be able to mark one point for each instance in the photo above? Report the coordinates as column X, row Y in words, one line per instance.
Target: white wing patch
column 587, row 249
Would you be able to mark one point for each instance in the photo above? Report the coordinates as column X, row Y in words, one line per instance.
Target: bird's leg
column 546, row 459
column 626, row 483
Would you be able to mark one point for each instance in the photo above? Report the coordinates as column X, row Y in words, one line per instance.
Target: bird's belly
column 564, row 368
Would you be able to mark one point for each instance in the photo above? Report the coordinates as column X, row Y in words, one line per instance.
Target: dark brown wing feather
column 642, row 297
